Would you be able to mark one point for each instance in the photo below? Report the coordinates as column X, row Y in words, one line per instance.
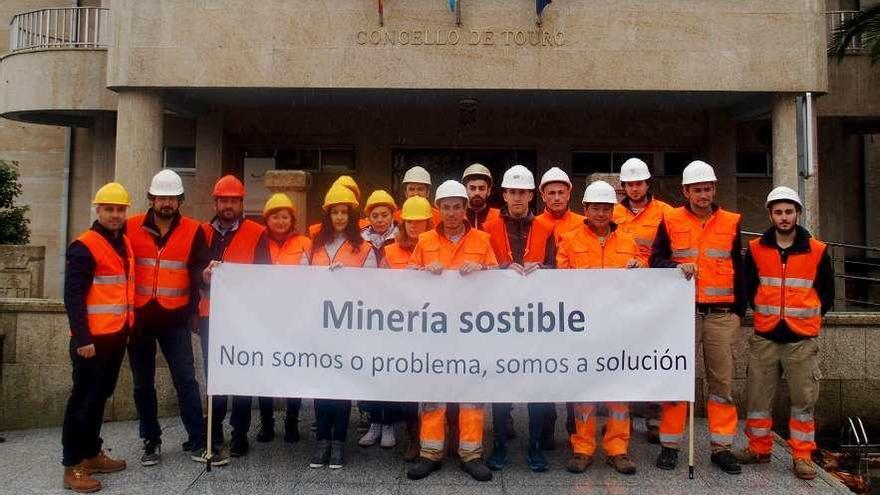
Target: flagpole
column 691, row 440
column 381, row 14
column 458, row 12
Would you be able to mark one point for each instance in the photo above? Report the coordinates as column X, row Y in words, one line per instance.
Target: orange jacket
column 785, row 291
column 398, row 216
column 480, row 224
column 163, row 274
column 110, row 300
column 395, row 256
column 643, row 225
column 291, row 251
column 345, row 255
column 536, row 244
column 709, row 246
column 581, row 249
column 435, row 246
column 241, row 249
column 564, row 224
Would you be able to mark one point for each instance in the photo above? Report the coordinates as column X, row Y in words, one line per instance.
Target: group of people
column 135, row 282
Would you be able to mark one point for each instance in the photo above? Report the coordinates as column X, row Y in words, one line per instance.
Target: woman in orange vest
column 599, row 244
column 286, row 247
column 338, row 244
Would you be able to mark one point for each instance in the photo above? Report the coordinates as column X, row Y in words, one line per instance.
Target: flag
column 452, row 5
column 540, row 5
column 455, row 6
column 381, row 14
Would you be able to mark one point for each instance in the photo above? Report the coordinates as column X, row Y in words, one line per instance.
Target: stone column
column 139, row 141
column 785, row 158
column 722, row 157
column 296, row 184
column 209, row 164
column 103, row 150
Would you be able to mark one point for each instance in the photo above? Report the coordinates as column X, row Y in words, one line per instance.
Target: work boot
column 79, row 480
column 102, row 464
column 726, row 461
column 422, row 469
column 218, row 458
column 804, row 469
column 452, row 442
column 749, row 456
column 476, row 469
column 579, row 463
column 667, row 459
column 536, row 460
column 414, row 445
column 320, row 454
column 621, row 464
column 239, row 445
column 152, row 453
column 388, row 439
column 498, row 459
column 371, row 436
column 337, row 454
column 267, row 431
column 291, row 430
column 508, row 426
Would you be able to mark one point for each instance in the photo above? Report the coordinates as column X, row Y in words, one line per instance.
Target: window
column 753, row 163
column 180, row 158
column 676, row 161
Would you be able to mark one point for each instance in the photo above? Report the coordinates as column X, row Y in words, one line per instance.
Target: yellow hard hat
column 278, row 201
column 112, row 193
column 347, row 181
column 380, row 197
column 416, row 208
column 340, row 195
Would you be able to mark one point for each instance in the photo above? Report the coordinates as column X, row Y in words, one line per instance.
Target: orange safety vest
column 493, row 214
column 642, row 225
column 110, row 300
column 291, row 251
column 345, row 255
column 785, row 291
column 536, row 243
column 396, row 256
column 241, row 249
column 161, row 274
column 566, row 223
column 433, row 246
column 581, row 249
column 709, row 247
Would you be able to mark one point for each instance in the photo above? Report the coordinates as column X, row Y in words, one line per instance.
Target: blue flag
column 452, row 5
column 540, row 5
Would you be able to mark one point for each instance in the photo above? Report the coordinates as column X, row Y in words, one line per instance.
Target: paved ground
column 30, row 463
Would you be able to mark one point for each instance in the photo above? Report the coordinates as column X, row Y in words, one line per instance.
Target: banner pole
column 210, row 434
column 691, row 440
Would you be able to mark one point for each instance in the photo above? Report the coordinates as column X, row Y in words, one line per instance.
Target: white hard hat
column 783, row 193
column 477, row 170
column 166, row 183
column 555, row 174
column 698, row 171
column 600, row 192
column 417, row 175
column 634, row 170
column 518, row 177
column 450, row 189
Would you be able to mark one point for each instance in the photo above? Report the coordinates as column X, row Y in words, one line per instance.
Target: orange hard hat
column 228, row 186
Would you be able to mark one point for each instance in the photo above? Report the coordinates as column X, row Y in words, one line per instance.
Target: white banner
column 493, row 336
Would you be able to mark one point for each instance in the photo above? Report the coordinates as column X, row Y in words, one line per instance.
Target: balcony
column 835, row 19
column 59, row 28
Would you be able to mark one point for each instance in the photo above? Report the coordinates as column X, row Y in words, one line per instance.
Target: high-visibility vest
column 346, row 255
column 581, row 249
column 708, row 246
column 642, row 225
column 785, row 291
column 241, row 249
column 396, row 256
column 491, row 215
column 562, row 225
column 291, row 252
column 473, row 246
column 110, row 300
column 536, row 243
column 161, row 274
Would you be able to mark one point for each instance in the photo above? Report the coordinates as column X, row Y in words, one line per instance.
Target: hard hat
column 339, row 195
column 416, row 208
column 518, row 177
column 450, row 189
column 166, row 183
column 783, row 193
column 555, row 174
column 634, row 170
column 417, row 175
column 228, row 186
column 278, row 201
column 600, row 192
column 380, row 198
column 477, row 171
column 348, row 181
column 112, row 193
column 698, row 171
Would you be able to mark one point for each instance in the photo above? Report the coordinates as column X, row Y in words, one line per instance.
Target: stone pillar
column 209, row 164
column 296, row 184
column 785, row 142
column 103, row 152
column 139, row 141
column 722, row 157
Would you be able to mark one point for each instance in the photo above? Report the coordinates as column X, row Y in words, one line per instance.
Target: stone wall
column 21, row 271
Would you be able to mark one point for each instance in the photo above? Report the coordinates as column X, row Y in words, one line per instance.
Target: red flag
column 381, row 14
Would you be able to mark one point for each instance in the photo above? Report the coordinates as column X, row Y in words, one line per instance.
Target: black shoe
column 267, row 431
column 239, row 446
column 726, row 461
column 422, row 469
column 477, row 470
column 291, row 430
column 337, row 454
column 152, row 452
column 667, row 459
column 320, row 455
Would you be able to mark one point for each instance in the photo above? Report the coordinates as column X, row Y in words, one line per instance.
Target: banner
column 492, row 336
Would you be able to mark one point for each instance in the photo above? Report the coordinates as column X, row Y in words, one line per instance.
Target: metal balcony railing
column 64, row 27
column 836, row 19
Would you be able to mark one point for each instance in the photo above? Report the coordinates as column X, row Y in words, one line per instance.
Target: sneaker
column 320, row 454
column 579, row 463
column 726, row 461
column 337, row 454
column 749, row 456
column 621, row 464
column 388, row 438
column 536, row 460
column 152, row 453
column 498, row 459
column 239, row 446
column 422, row 469
column 218, row 458
column 804, row 469
column 667, row 459
column 371, row 436
column 477, row 469
column 267, row 431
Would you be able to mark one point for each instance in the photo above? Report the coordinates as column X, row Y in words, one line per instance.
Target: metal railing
column 856, row 275
column 835, row 19
column 63, row 27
